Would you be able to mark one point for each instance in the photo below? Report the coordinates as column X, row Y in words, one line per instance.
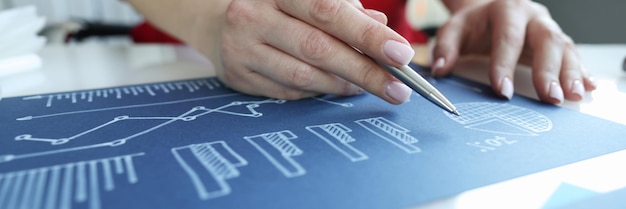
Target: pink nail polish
column 593, row 81
column 577, row 88
column 556, row 92
column 398, row 91
column 438, row 64
column 398, row 52
column 506, row 87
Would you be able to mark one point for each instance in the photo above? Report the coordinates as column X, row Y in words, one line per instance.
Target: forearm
column 456, row 5
column 194, row 22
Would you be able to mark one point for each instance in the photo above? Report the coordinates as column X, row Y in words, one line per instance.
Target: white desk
column 68, row 68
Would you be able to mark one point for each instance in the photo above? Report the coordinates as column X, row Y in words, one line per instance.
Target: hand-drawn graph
column 391, row 132
column 336, row 135
column 236, row 108
column 279, row 150
column 209, row 165
column 59, row 186
column 194, row 113
column 501, row 118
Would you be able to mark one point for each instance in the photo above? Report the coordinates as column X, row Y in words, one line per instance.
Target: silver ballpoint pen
column 416, row 82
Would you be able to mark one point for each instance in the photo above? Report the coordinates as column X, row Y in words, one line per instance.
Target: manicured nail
column 578, row 88
column 359, row 91
column 439, row 63
column 398, row 52
column 556, row 92
column 506, row 87
column 398, row 91
column 593, row 81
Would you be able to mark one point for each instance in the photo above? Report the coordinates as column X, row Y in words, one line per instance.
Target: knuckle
column 369, row 76
column 568, row 41
column 316, row 45
column 239, row 13
column 302, row 77
column 372, row 33
column 512, row 36
column 324, row 11
column 553, row 35
column 540, row 9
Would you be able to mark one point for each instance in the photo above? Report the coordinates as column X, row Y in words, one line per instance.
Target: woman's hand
column 512, row 31
column 294, row 49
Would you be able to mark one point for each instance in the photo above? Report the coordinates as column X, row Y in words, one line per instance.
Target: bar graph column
column 391, row 132
column 336, row 135
column 209, row 165
column 279, row 150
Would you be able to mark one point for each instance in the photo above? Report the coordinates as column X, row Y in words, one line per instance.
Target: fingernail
column 506, row 87
column 593, row 81
column 398, row 91
column 439, row 63
column 398, row 52
column 578, row 88
column 556, row 92
column 359, row 91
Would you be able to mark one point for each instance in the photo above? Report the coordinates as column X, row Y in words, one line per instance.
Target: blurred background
column 598, row 21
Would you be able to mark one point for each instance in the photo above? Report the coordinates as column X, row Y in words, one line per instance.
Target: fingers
column 507, row 30
column 558, row 73
column 295, row 74
column 547, row 63
column 291, row 59
column 572, row 77
column 377, row 15
column 446, row 50
column 509, row 19
column 243, row 79
column 347, row 23
column 322, row 51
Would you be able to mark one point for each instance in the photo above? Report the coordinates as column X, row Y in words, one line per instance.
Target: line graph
column 193, row 114
column 59, row 186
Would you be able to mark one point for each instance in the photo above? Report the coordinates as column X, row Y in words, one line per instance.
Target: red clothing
column 394, row 9
column 396, row 13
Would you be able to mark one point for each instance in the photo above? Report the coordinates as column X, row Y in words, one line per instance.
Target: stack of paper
column 19, row 40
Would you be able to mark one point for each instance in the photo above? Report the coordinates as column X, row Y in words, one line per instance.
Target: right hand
column 290, row 49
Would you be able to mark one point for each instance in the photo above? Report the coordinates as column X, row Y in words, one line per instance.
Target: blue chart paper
column 197, row 144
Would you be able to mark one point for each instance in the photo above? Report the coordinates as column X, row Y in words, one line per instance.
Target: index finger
column 344, row 21
column 509, row 30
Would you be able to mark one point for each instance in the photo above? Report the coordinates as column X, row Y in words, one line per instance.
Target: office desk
column 68, row 68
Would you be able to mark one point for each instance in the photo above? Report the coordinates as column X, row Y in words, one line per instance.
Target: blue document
column 198, row 144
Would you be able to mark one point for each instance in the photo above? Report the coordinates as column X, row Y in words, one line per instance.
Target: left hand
column 512, row 31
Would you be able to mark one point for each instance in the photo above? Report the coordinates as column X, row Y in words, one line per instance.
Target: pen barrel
column 416, row 82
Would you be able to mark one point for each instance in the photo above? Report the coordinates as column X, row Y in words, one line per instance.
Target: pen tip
column 456, row 112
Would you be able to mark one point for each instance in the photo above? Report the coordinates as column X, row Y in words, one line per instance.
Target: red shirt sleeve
column 146, row 33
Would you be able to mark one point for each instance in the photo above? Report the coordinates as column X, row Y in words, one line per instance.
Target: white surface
column 69, row 68
column 58, row 11
column 94, row 66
